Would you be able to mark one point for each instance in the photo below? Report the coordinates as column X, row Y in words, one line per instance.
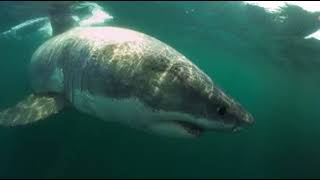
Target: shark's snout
column 244, row 122
column 248, row 120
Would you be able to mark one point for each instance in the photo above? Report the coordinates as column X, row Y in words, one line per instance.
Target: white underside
column 135, row 114
column 130, row 112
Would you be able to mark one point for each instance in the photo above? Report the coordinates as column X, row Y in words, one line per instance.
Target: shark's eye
column 222, row 110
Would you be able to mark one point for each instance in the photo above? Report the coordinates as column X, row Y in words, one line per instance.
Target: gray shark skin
column 124, row 76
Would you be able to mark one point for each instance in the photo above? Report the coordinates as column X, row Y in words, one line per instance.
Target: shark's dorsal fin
column 33, row 108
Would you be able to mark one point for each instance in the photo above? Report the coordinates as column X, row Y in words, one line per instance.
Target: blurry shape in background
column 315, row 35
column 311, row 6
column 83, row 13
column 89, row 13
column 277, row 6
column 28, row 27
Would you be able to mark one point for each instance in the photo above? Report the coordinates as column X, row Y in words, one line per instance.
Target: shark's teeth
column 191, row 128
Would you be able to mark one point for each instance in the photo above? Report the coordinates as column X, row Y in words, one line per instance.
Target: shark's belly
column 129, row 111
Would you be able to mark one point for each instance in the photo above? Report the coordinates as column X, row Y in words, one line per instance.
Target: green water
column 262, row 62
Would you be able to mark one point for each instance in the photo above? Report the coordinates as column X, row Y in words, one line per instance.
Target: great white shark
column 121, row 75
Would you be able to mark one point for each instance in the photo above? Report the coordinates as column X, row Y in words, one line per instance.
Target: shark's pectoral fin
column 33, row 108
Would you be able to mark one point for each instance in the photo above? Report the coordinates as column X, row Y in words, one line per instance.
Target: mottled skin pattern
column 122, row 64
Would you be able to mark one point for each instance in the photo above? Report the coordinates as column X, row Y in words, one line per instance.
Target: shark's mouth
column 191, row 128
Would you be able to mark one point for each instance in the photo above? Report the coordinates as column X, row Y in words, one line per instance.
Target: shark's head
column 198, row 114
column 174, row 96
column 190, row 103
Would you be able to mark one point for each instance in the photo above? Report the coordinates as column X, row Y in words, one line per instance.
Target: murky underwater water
column 263, row 62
